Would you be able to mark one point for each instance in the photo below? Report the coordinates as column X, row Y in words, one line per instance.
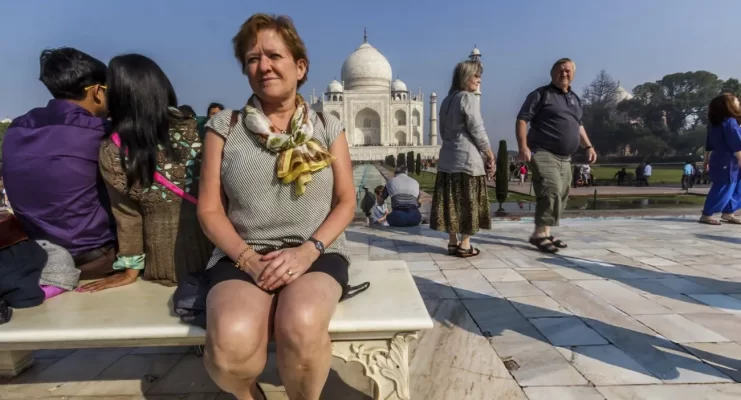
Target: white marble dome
column 366, row 68
column 334, row 87
column 398, row 86
column 622, row 94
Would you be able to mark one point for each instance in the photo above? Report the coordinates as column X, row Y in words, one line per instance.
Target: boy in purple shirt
column 50, row 163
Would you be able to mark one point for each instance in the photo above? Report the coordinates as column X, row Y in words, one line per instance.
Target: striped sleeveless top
column 266, row 213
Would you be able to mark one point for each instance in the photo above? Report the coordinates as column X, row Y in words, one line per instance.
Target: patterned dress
column 154, row 221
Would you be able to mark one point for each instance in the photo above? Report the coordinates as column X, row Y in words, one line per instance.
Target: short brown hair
column 721, row 108
column 282, row 24
column 378, row 189
column 561, row 62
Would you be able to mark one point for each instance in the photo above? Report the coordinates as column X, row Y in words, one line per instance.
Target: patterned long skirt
column 460, row 204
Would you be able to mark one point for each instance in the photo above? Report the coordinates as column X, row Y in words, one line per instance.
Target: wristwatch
column 317, row 244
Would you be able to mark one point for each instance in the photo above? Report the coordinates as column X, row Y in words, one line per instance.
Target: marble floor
column 633, row 309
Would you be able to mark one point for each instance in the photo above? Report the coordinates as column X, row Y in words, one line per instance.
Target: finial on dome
column 365, row 35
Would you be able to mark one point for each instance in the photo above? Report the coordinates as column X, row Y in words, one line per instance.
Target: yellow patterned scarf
column 299, row 154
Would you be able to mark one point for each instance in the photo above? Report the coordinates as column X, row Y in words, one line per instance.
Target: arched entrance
column 401, row 138
column 368, row 125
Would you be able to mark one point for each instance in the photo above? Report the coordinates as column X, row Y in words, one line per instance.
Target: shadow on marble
column 678, row 284
column 662, row 358
column 724, row 239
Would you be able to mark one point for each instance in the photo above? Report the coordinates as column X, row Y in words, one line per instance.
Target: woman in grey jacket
column 460, row 204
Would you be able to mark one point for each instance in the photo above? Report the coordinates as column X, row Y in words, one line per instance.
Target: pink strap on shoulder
column 161, row 179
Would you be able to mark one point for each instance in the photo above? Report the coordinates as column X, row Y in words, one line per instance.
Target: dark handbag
column 11, row 230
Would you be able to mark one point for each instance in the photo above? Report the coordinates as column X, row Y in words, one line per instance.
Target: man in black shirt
column 554, row 113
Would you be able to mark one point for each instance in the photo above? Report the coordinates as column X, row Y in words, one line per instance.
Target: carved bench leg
column 386, row 362
column 14, row 362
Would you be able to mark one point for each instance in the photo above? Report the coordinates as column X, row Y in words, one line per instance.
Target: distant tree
column 502, row 174
column 401, row 159
column 732, row 86
column 599, row 98
column 418, row 164
column 410, row 162
column 601, row 91
column 390, row 160
column 651, row 145
column 3, row 129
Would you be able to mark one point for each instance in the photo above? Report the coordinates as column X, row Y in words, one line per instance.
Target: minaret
column 433, row 119
column 476, row 56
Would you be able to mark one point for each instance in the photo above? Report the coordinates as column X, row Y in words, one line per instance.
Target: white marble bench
column 373, row 328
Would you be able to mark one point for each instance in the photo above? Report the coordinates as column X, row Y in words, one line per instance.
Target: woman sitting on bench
column 276, row 196
column 151, row 165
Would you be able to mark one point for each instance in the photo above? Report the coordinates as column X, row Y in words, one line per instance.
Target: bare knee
column 236, row 347
column 302, row 330
column 236, row 336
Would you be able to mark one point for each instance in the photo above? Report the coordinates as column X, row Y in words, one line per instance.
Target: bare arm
column 344, row 200
column 521, row 133
column 212, row 202
column 583, row 137
column 585, row 143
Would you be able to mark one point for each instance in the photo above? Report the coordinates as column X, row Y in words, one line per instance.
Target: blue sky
column 634, row 40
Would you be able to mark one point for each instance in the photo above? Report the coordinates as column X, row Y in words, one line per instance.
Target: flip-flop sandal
column 541, row 244
column 452, row 249
column 558, row 243
column 733, row 221
column 466, row 253
column 709, row 222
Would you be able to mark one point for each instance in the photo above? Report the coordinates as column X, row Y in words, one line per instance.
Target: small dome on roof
column 398, row 86
column 334, row 87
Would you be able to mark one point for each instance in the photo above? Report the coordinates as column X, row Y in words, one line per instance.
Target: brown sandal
column 452, row 249
column 732, row 220
column 544, row 244
column 466, row 253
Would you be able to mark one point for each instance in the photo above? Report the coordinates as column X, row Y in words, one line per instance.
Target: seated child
column 380, row 211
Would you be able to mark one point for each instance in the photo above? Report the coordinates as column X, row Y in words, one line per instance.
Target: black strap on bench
column 352, row 291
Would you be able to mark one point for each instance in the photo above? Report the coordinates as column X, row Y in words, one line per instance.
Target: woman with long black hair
column 151, row 165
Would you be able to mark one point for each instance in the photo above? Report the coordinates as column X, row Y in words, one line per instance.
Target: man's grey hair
column 561, row 62
column 402, row 169
column 463, row 72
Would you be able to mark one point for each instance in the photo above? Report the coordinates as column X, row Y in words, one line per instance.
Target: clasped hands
column 280, row 267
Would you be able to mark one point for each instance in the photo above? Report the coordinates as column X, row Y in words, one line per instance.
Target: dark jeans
column 404, row 217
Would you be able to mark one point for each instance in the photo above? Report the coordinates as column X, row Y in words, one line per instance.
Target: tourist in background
column 379, row 212
column 723, row 160
column 50, row 163
column 639, row 174
column 460, row 204
column 187, row 111
column 404, row 193
column 213, row 109
column 647, row 172
column 554, row 113
column 158, row 229
column 688, row 174
column 621, row 176
column 278, row 227
column 523, row 174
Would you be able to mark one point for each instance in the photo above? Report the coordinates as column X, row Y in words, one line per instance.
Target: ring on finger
column 290, row 273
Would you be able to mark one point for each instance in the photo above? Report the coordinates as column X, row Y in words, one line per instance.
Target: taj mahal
column 381, row 116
